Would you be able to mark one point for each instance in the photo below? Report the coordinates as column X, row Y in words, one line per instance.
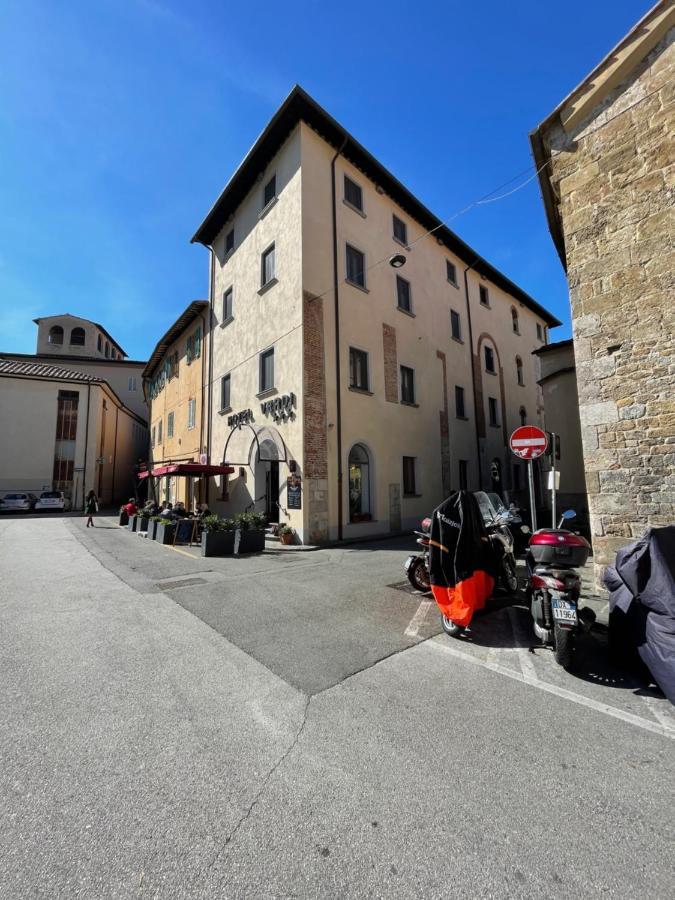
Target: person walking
column 91, row 507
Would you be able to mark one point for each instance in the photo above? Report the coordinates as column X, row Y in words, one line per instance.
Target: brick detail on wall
column 614, row 176
column 444, row 424
column 390, row 363
column 315, row 437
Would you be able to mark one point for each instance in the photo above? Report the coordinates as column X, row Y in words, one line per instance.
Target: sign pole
column 533, row 510
column 553, row 490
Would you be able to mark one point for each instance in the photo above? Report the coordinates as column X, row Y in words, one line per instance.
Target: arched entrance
column 267, row 479
column 359, row 484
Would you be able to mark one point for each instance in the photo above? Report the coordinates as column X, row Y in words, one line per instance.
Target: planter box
column 217, row 543
column 252, row 542
column 152, row 530
column 133, row 521
column 124, row 518
column 142, row 523
column 164, row 533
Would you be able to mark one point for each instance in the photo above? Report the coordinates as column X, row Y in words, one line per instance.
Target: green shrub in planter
column 164, row 531
column 132, row 523
column 251, row 528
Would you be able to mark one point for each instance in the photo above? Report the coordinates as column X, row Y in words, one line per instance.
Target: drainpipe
column 338, row 377
column 86, row 444
column 209, row 414
column 473, row 371
column 112, row 486
column 204, row 479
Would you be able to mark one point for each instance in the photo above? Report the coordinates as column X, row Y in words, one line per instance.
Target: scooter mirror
column 569, row 514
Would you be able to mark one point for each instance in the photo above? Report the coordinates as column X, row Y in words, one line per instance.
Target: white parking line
column 595, row 705
column 659, row 709
column 419, row 617
column 526, row 664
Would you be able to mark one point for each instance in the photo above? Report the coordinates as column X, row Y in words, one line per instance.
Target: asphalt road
column 295, row 726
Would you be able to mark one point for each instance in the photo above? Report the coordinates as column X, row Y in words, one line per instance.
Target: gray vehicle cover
column 642, row 603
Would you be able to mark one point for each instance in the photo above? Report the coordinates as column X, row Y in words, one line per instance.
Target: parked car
column 52, row 500
column 19, row 501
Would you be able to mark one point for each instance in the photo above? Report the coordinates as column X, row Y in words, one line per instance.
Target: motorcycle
column 417, row 565
column 554, row 587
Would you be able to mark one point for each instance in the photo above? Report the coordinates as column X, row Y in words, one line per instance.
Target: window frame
column 355, row 352
column 493, row 420
column 520, row 378
column 451, row 279
column 132, row 385
column 229, row 239
column 401, row 280
column 191, row 413
column 406, row 471
column 81, row 333
column 397, row 220
column 264, row 256
column 268, row 353
column 458, row 318
column 403, row 400
column 169, row 425
column 227, row 316
column 489, row 353
column 460, row 401
column 272, row 180
column 484, row 296
column 350, row 247
column 515, row 320
column 160, row 435
column 347, row 179
column 226, row 379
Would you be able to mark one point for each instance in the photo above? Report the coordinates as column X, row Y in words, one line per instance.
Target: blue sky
column 120, row 121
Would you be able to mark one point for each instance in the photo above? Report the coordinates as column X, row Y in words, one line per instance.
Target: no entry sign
column 528, row 442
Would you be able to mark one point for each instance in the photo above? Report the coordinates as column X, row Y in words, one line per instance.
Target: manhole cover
column 184, row 582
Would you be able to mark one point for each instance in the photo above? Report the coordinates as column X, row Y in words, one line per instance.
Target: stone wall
column 614, row 177
column 315, row 448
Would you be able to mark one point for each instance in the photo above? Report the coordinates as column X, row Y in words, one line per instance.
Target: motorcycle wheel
column 563, row 644
column 418, row 576
column 509, row 577
column 450, row 628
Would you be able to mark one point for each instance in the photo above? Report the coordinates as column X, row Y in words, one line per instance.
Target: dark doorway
column 272, row 491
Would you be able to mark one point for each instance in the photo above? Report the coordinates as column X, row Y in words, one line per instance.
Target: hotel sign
column 280, row 408
column 245, row 417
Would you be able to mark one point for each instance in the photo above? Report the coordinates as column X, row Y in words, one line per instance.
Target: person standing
column 91, row 507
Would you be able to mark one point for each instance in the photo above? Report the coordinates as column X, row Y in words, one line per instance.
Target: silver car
column 19, row 501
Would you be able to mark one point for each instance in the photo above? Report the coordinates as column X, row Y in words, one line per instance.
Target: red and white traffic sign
column 528, row 442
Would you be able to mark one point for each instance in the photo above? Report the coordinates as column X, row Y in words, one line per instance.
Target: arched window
column 519, row 370
column 359, row 484
column 55, row 335
column 99, row 344
column 107, row 350
column 514, row 320
column 522, row 412
column 77, row 337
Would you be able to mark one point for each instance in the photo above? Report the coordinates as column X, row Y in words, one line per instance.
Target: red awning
column 191, row 470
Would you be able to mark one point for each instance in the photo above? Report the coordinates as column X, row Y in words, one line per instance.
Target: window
column 99, row 343
column 169, row 425
column 463, row 474
column 407, row 385
column 409, row 487
column 353, row 194
column 190, row 349
column 152, row 437
column 514, row 320
column 227, row 305
column 358, row 369
column 451, row 272
column 400, row 230
column 403, row 293
column 484, row 295
column 522, row 412
column 460, row 410
column 455, row 325
column 55, row 335
column 159, row 431
column 270, row 191
column 540, row 332
column 198, row 342
column 107, row 350
column 66, row 433
column 489, row 359
column 225, row 392
column 356, row 266
column 267, row 266
column 267, row 370
column 229, row 241
column 192, row 413
column 493, row 410
column 519, row 370
column 131, row 383
column 359, row 484
column 77, row 337
column 545, row 334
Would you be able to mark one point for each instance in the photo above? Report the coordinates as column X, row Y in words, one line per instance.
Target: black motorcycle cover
column 460, row 561
column 642, row 603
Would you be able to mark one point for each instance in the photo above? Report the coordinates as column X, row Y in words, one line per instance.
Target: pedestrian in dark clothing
column 91, row 507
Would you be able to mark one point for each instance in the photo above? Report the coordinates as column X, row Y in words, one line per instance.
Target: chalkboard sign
column 294, row 492
column 184, row 531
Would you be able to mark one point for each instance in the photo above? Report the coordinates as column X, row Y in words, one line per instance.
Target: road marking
column 659, row 711
column 419, row 617
column 176, row 550
column 526, row 664
column 595, row 705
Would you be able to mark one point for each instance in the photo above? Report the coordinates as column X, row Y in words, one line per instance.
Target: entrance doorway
column 272, row 492
column 267, row 480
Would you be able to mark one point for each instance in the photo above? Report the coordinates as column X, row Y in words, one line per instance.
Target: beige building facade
column 606, row 159
column 351, row 391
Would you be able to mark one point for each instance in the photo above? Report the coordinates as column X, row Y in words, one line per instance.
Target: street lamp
column 397, row 260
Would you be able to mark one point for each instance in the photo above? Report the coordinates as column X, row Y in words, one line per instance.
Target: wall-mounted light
column 397, row 260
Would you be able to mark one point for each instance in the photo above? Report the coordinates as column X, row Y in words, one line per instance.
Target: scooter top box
column 562, row 548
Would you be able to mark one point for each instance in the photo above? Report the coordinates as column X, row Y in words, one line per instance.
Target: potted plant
column 132, row 523
column 152, row 527
column 286, row 534
column 217, row 536
column 164, row 531
column 124, row 517
column 251, row 527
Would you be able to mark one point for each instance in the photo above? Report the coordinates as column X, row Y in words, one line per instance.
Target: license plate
column 564, row 611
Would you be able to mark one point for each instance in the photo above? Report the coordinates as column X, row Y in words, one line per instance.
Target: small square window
column 268, row 266
column 131, row 383
column 540, row 332
column 229, row 241
column 353, row 194
column 484, row 295
column 227, row 304
column 460, row 410
column 407, row 385
column 169, row 425
column 358, row 369
column 225, row 392
column 403, row 293
column 489, row 359
column 455, row 325
column 267, row 370
column 463, row 474
column 356, row 266
column 270, row 191
column 409, row 485
column 493, row 410
column 451, row 272
column 400, row 230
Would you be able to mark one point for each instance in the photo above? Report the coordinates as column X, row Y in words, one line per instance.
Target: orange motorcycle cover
column 460, row 602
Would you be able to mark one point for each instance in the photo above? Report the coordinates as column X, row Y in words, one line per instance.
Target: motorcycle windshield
column 487, row 510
